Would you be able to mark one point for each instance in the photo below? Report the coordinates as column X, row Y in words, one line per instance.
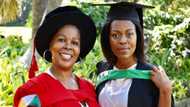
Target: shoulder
column 32, row 86
column 145, row 84
column 86, row 85
column 35, row 84
column 85, row 82
column 144, row 66
column 102, row 66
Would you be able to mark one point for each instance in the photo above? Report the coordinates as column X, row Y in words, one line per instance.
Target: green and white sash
column 30, row 100
column 123, row 73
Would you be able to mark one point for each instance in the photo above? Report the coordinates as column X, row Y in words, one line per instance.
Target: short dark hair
column 106, row 48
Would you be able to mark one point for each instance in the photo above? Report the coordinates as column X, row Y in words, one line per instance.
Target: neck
column 61, row 74
column 65, row 77
column 125, row 63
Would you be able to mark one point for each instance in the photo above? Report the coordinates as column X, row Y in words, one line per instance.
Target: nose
column 123, row 40
column 67, row 45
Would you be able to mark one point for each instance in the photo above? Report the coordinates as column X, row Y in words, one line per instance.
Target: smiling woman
column 66, row 36
column 65, row 47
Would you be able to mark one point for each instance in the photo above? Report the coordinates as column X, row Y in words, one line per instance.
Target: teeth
column 66, row 56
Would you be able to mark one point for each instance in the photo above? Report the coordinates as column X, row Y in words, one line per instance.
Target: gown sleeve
column 20, row 92
column 31, row 87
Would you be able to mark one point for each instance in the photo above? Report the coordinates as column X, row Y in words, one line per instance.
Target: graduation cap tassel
column 33, row 66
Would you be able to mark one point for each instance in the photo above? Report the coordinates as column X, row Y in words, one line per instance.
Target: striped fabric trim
column 118, row 74
column 30, row 100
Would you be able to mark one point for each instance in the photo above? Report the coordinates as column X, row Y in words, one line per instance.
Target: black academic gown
column 142, row 93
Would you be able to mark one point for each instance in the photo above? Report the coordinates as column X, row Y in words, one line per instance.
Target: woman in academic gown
column 122, row 42
column 65, row 37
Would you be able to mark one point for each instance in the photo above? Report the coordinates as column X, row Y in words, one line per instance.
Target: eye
column 115, row 36
column 75, row 43
column 130, row 34
column 61, row 40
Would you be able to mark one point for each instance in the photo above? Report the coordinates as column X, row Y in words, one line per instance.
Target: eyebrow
column 119, row 30
column 74, row 38
column 59, row 34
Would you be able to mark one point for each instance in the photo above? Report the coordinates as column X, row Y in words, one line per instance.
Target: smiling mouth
column 66, row 56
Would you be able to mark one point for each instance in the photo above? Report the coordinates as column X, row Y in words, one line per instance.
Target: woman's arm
column 162, row 81
column 164, row 99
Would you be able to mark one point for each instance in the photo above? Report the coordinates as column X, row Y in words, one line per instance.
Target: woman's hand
column 161, row 80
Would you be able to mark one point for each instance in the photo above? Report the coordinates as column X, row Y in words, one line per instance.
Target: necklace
column 69, row 83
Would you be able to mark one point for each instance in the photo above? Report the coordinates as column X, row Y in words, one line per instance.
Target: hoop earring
column 47, row 55
column 79, row 60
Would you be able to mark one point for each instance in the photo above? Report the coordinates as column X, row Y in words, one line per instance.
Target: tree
column 9, row 10
column 38, row 9
column 41, row 8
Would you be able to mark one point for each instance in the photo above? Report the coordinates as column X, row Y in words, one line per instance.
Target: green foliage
column 98, row 14
column 87, row 67
column 167, row 32
column 180, row 89
column 12, row 73
column 29, row 20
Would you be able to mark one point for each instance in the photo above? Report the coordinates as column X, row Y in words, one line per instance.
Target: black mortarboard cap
column 125, row 10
